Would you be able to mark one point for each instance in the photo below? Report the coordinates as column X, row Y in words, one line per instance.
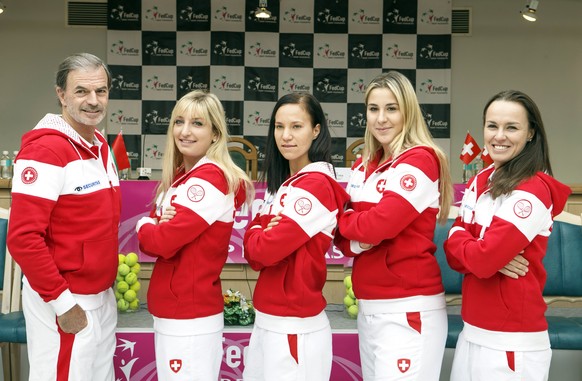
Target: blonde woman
column 189, row 234
column 397, row 190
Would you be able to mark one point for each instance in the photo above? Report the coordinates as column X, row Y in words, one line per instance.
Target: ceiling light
column 2, row 7
column 262, row 12
column 529, row 11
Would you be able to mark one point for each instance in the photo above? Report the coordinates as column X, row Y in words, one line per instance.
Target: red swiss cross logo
column 303, row 206
column 408, row 182
column 29, row 175
column 195, row 193
column 403, row 365
column 522, row 208
column 381, row 185
column 175, row 365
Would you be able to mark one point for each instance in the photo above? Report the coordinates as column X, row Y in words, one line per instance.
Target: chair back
column 354, row 151
column 244, row 154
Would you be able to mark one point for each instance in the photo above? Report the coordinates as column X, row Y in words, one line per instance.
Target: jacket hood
column 53, row 124
column 558, row 192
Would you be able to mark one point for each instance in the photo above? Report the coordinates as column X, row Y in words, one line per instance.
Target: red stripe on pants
column 293, row 347
column 414, row 321
column 65, row 351
column 511, row 360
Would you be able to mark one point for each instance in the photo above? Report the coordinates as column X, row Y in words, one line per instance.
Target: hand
column 73, row 321
column 169, row 213
column 274, row 222
column 365, row 246
column 516, row 267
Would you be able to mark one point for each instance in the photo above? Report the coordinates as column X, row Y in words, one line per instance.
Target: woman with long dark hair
column 287, row 243
column 499, row 241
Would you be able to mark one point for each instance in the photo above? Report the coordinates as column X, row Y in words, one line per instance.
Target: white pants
column 473, row 362
column 392, row 348
column 273, row 356
column 188, row 358
column 58, row 356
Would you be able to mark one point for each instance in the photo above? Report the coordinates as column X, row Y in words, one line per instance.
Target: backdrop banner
column 160, row 50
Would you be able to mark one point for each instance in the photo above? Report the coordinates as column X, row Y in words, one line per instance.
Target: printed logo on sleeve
column 29, row 175
column 403, row 365
column 303, row 206
column 408, row 182
column 195, row 193
column 381, row 185
column 175, row 365
column 522, row 208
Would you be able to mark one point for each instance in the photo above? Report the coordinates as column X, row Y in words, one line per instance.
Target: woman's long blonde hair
column 209, row 107
column 414, row 133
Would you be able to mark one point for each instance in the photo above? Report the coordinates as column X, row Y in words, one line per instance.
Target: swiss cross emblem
column 195, row 193
column 303, row 206
column 175, row 365
column 522, row 208
column 381, row 185
column 29, row 175
column 408, row 182
column 403, row 365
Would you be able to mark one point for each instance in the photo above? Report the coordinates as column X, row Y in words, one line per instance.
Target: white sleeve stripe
column 204, row 199
column 309, row 213
column 425, row 193
column 48, row 183
column 527, row 213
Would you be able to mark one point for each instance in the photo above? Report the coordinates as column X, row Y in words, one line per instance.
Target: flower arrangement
column 237, row 311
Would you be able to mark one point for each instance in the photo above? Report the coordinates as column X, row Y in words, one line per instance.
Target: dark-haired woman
column 498, row 243
column 287, row 242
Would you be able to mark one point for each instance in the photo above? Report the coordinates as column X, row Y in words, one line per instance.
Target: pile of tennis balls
column 127, row 283
column 350, row 300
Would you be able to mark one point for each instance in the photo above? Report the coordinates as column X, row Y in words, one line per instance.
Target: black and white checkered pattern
column 160, row 50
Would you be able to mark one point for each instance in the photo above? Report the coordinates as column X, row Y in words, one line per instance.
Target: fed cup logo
column 29, row 175
column 303, row 206
column 522, row 208
column 408, row 182
column 195, row 193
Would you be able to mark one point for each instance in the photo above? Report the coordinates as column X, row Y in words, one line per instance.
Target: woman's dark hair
column 275, row 167
column 534, row 157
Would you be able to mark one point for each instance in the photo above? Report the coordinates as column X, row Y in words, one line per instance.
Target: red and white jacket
column 64, row 216
column 192, row 248
column 500, row 312
column 291, row 256
column 394, row 206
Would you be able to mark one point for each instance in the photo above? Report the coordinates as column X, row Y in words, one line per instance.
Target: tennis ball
column 119, row 278
column 351, row 293
column 121, row 258
column 348, row 281
column 353, row 311
column 122, row 287
column 131, row 259
column 122, row 305
column 136, row 286
column 348, row 301
column 129, row 295
column 134, row 305
column 135, row 268
column 118, row 295
column 123, row 269
column 130, row 278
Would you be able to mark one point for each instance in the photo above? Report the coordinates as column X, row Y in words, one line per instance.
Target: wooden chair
column 12, row 324
column 354, row 151
column 244, row 154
